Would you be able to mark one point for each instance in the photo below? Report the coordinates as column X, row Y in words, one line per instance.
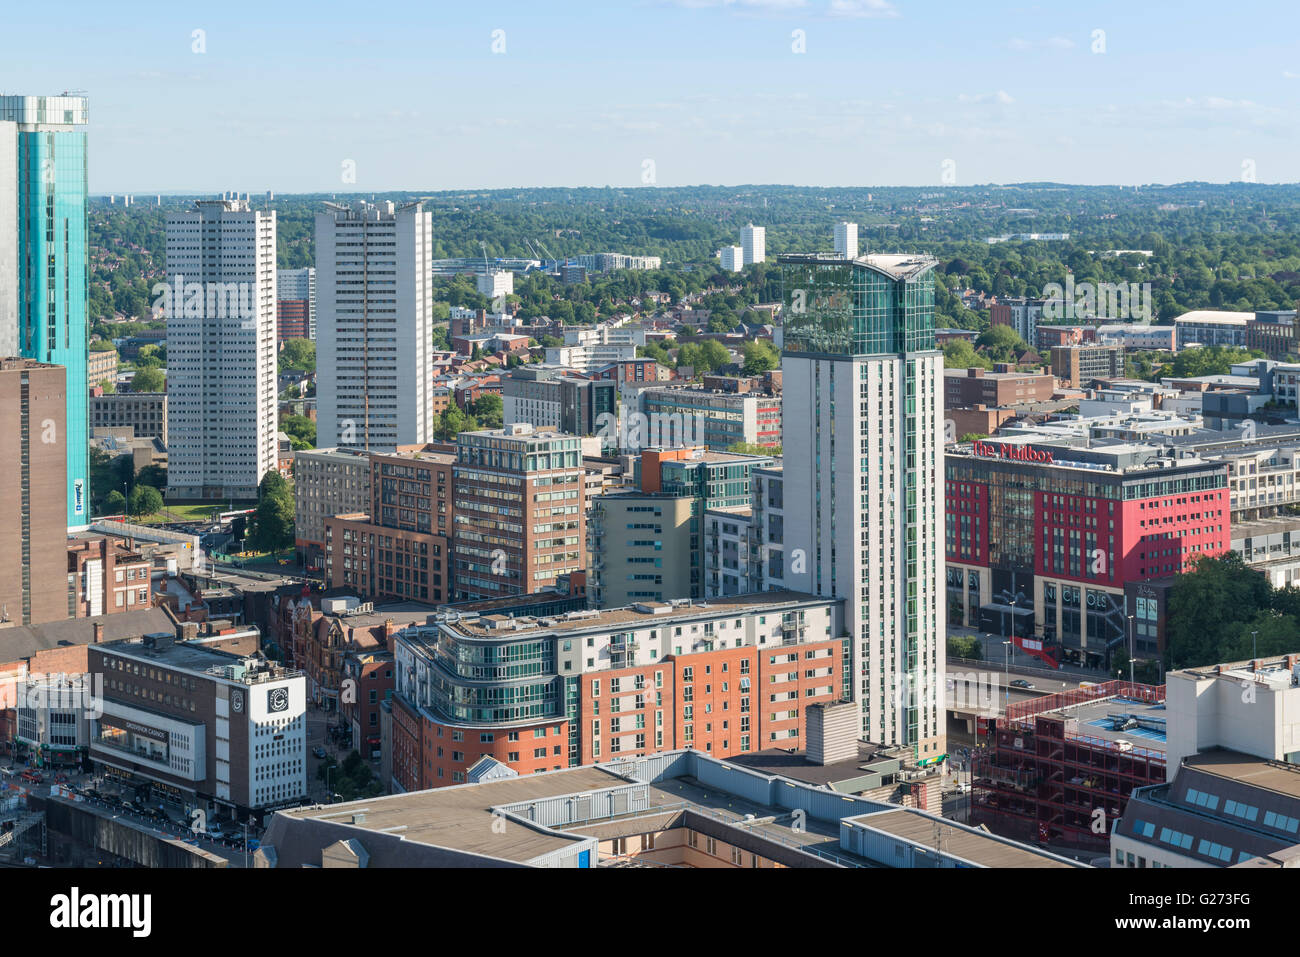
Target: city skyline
column 1007, row 94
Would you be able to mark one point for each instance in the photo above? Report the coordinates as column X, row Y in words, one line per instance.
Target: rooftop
column 651, row 613
column 1276, row 776
column 957, row 840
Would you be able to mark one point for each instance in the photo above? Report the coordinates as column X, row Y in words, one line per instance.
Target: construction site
column 1059, row 769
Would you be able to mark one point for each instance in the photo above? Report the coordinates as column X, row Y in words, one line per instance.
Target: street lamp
column 1254, row 645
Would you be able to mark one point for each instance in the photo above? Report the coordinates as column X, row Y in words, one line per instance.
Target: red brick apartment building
column 399, row 550
column 731, row 676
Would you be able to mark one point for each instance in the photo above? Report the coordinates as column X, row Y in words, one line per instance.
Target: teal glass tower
column 43, row 257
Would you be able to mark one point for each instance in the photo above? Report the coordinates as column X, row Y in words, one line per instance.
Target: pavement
column 995, row 653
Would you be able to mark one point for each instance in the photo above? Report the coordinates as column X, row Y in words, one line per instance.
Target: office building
column 731, row 258
column 101, row 367
column 1079, row 366
column 640, row 812
column 716, row 419
column 326, row 482
column 374, row 361
column 221, row 358
column 863, row 507
column 1022, row 315
column 1222, row 808
column 33, row 464
column 639, row 547
column 398, row 550
column 519, row 511
column 295, row 304
column 1274, row 332
column 495, row 283
column 1211, row 327
column 1049, row 541
column 753, row 244
column 43, row 257
column 846, row 240
column 205, row 728
column 964, row 388
column 145, row 413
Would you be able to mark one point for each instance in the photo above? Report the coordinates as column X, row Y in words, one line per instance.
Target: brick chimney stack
column 99, row 632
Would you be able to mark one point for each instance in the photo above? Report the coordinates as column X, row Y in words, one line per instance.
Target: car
column 1021, row 683
column 319, row 752
column 32, row 777
column 215, row 832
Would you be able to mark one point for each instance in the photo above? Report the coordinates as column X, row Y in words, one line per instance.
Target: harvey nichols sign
column 1018, row 453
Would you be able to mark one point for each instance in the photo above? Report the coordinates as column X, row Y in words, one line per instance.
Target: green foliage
column 1221, row 600
column 1001, row 343
column 973, row 436
column 1207, row 360
column 298, row 355
column 144, row 500
column 965, row 646
column 102, row 345
column 753, row 448
column 114, row 503
column 148, row 379
column 960, row 354
column 155, row 475
column 487, row 410
column 705, row 356
column 760, row 356
column 301, row 431
column 271, row 525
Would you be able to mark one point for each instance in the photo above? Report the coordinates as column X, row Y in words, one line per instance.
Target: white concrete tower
column 863, row 406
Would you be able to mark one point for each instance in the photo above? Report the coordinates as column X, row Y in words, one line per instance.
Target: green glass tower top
column 872, row 305
column 46, row 188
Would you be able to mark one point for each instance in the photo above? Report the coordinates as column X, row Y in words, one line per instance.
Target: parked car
column 1021, row 683
column 318, row 751
column 215, row 832
column 32, row 777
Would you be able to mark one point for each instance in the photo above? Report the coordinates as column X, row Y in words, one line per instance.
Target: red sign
column 1018, row 453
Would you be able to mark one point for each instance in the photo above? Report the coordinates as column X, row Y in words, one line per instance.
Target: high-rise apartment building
column 43, row 257
column 519, row 511
column 295, row 304
column 326, row 482
column 374, row 352
column 731, row 258
column 221, row 363
column 753, row 244
column 846, row 240
column 33, row 468
column 863, row 382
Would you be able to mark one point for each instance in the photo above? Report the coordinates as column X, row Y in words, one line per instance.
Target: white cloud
column 1001, row 96
column 863, row 9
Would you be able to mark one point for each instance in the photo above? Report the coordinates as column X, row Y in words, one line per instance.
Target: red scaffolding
column 1040, row 779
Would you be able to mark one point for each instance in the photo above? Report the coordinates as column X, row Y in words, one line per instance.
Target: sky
column 294, row 96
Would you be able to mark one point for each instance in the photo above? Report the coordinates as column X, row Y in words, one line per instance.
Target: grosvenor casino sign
column 1017, row 453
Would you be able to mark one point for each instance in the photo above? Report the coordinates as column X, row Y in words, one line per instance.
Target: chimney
column 99, row 632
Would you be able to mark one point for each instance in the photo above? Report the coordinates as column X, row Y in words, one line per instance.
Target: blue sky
column 709, row 91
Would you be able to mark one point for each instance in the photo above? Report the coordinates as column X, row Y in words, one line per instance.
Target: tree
column 760, row 357
column 114, row 503
column 271, row 528
column 1002, row 343
column 301, row 431
column 155, row 475
column 108, row 386
column 488, row 410
column 145, row 500
column 148, row 380
column 298, row 355
column 960, row 354
column 1207, row 605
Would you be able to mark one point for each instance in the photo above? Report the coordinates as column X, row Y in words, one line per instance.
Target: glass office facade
column 52, row 261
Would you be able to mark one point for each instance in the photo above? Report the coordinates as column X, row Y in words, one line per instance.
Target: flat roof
column 608, row 617
column 461, row 816
column 1276, row 776
column 957, row 840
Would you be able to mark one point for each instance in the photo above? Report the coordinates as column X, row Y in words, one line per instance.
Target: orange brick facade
column 725, row 702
